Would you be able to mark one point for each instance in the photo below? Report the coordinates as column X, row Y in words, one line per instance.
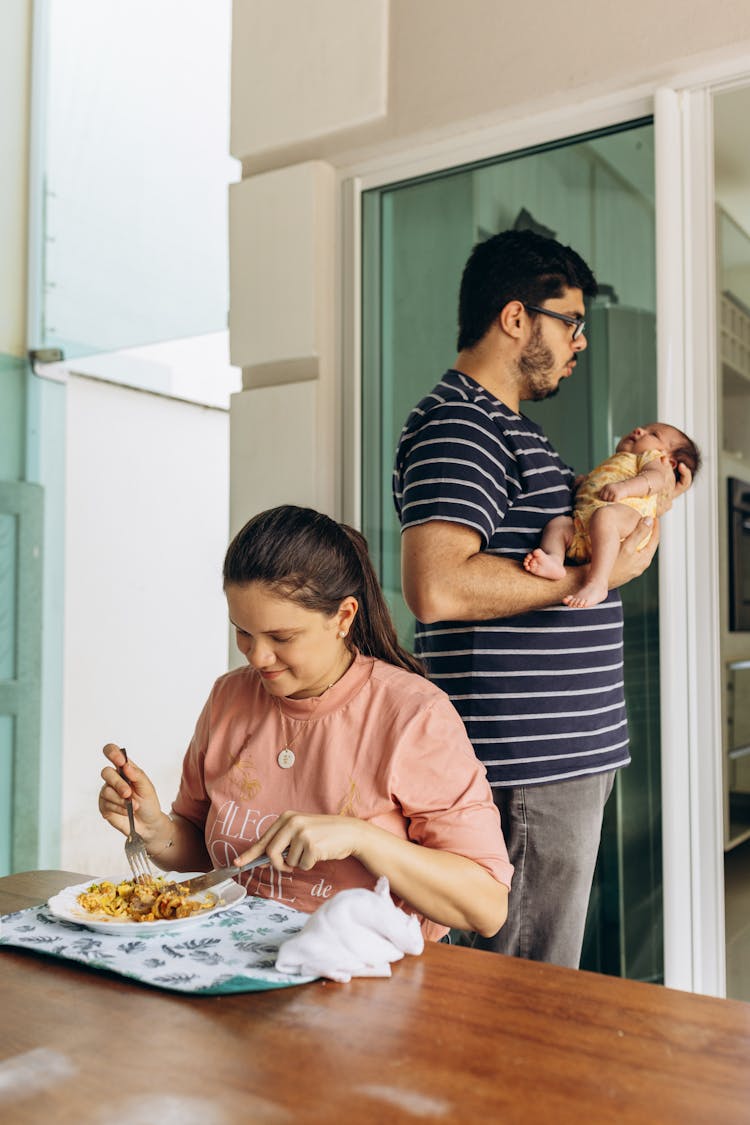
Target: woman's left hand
column 307, row 839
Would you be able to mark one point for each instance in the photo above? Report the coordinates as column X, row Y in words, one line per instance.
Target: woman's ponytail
column 373, row 631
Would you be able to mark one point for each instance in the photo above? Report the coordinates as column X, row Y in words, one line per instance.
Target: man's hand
column 631, row 562
column 685, row 479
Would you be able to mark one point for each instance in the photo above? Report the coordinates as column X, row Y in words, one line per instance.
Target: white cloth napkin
column 357, row 933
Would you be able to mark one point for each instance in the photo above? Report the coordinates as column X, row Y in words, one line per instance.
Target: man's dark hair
column 515, row 265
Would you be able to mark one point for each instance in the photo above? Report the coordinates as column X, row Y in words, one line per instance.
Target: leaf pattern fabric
column 234, row 951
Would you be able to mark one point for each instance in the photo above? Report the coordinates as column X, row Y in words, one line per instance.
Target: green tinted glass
column 596, row 194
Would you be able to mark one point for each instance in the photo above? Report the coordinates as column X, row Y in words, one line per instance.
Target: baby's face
column 653, row 436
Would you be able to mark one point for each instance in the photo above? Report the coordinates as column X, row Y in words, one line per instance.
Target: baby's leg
column 607, row 528
column 548, row 559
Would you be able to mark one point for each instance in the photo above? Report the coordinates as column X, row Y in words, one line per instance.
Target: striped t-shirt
column 541, row 694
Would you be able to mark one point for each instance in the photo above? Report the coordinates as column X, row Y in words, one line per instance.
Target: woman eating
column 329, row 751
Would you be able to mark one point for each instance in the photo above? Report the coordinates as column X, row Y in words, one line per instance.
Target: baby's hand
column 614, row 491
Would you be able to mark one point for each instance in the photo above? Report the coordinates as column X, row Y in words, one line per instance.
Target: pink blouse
column 382, row 744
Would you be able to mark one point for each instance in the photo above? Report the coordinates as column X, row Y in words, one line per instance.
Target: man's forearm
column 484, row 587
column 447, row 577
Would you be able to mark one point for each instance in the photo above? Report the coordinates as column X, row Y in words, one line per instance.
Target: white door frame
column 692, row 791
column 691, row 739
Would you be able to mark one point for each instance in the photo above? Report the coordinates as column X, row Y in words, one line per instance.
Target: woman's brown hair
column 306, row 556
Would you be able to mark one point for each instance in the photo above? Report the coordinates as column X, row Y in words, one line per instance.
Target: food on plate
column 143, row 900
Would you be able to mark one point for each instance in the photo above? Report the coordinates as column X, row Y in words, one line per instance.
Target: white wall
column 449, row 64
column 147, row 521
column 448, row 68
column 145, row 618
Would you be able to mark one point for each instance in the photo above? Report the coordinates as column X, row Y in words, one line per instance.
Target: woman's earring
column 342, row 634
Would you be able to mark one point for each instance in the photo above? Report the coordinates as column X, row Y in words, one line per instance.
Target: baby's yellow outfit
column 620, row 466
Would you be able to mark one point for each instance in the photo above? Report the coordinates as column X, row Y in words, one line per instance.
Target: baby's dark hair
column 316, row 562
column 687, row 453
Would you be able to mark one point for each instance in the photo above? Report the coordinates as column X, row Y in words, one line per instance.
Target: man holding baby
column 538, row 684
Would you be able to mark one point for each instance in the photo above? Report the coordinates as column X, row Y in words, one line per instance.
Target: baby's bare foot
column 590, row 594
column 543, row 565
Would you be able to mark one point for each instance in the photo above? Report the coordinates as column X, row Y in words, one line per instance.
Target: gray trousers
column 552, row 832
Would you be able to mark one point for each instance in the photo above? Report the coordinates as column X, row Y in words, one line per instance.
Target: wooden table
column 455, row 1036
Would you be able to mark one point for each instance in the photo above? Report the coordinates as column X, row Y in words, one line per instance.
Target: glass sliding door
column 732, row 192
column 595, row 193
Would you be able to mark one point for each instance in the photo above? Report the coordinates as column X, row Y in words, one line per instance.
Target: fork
column 135, row 845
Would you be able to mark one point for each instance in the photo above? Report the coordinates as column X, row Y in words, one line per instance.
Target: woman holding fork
column 329, row 752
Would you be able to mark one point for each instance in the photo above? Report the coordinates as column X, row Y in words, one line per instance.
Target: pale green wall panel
column 12, row 416
column 21, row 529
column 45, row 465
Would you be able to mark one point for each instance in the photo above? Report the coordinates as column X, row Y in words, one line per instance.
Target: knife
column 220, row 875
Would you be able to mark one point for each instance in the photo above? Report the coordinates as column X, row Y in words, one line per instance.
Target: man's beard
column 536, row 365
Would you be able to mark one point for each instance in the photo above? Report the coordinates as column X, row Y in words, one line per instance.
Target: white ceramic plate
column 65, row 906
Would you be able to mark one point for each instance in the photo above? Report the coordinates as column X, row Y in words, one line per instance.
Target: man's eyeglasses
column 578, row 322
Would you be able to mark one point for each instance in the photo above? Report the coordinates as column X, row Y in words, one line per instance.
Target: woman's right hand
column 135, row 784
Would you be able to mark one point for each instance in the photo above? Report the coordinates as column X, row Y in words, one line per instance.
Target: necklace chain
column 286, row 756
column 288, row 742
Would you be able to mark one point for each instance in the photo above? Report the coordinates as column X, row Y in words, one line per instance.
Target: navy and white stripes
column 541, row 694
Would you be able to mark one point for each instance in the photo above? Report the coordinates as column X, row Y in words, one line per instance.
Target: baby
column 609, row 503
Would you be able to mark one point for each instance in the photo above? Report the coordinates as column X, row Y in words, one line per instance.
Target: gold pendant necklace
column 286, row 758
